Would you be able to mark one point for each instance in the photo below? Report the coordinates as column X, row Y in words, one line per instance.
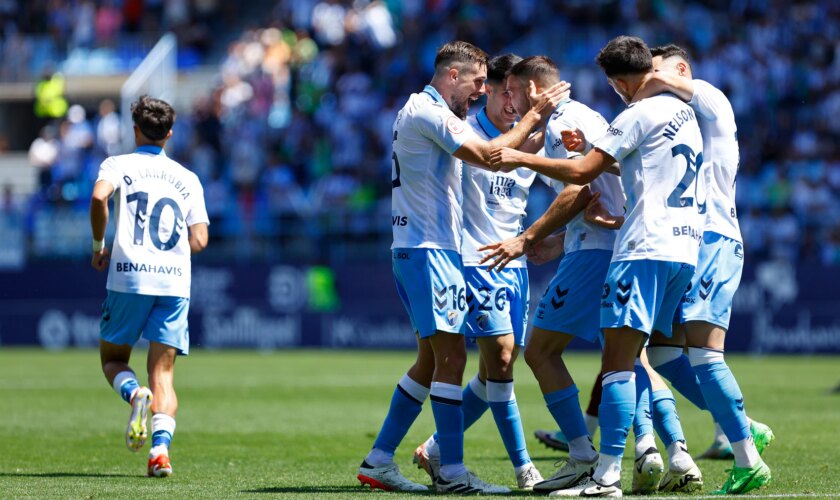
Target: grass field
column 296, row 424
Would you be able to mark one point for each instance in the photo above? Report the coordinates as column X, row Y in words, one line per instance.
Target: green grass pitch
column 296, row 424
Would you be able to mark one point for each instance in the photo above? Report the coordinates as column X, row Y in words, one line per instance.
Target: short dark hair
column 459, row 52
column 625, row 55
column 535, row 67
column 671, row 50
column 498, row 67
column 153, row 117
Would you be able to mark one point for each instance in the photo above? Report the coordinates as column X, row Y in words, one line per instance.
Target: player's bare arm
column 198, row 237
column 548, row 249
column 596, row 213
column 102, row 190
column 478, row 152
column 578, row 172
column 563, row 209
column 662, row 81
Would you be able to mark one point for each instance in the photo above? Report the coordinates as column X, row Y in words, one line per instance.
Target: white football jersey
column 581, row 235
column 156, row 200
column 494, row 202
column 720, row 155
column 658, row 143
column 426, row 179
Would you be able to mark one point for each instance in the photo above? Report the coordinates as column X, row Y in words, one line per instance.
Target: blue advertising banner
column 780, row 308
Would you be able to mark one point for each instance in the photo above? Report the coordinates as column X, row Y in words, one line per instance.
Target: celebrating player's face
column 469, row 87
column 519, row 95
column 500, row 103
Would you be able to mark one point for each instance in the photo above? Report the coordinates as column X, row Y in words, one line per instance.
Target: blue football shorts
column 127, row 316
column 497, row 302
column 430, row 283
column 643, row 294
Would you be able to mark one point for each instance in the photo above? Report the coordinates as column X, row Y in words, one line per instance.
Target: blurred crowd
column 293, row 143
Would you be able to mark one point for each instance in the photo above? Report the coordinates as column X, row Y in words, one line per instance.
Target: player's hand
column 503, row 252
column 547, row 249
column 100, row 259
column 505, row 159
column 573, row 140
column 546, row 101
column 596, row 213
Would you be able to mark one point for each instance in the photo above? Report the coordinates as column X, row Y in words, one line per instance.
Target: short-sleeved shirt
column 156, row 200
column 426, row 179
column 494, row 202
column 720, row 154
column 658, row 143
column 581, row 235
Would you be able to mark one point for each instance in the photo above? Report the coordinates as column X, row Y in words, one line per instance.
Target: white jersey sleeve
column 156, row 200
column 658, row 143
column 721, row 153
column 426, row 193
column 581, row 235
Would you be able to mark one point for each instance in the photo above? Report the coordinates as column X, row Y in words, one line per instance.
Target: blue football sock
column 665, row 417
column 449, row 421
column 474, row 402
column 618, row 404
column 406, row 404
column 163, row 427
column 125, row 383
column 679, row 372
column 721, row 392
column 506, row 414
column 564, row 406
column 642, row 421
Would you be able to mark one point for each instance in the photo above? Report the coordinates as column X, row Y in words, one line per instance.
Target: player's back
column 658, row 144
column 720, row 155
column 494, row 202
column 426, row 178
column 581, row 235
column 156, row 200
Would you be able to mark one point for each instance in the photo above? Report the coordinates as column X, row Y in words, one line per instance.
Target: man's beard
column 460, row 107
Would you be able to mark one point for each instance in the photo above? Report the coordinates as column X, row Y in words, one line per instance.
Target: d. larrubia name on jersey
column 156, row 200
column 658, row 144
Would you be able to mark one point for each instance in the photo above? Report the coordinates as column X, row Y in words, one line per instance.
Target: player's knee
column 535, row 358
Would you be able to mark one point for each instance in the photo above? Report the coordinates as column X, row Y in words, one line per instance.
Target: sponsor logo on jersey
column 688, row 231
column 502, row 186
column 399, row 220
column 131, row 267
column 454, row 125
column 614, row 131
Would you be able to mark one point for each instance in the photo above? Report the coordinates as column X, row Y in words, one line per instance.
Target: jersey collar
column 560, row 105
column 486, row 125
column 434, row 94
column 148, row 148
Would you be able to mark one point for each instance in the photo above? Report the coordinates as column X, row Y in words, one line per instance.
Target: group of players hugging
column 651, row 258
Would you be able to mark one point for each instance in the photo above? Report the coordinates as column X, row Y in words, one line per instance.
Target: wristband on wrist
column 98, row 245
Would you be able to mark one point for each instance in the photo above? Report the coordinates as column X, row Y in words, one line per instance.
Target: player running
column 430, row 140
column 160, row 220
column 658, row 143
column 703, row 317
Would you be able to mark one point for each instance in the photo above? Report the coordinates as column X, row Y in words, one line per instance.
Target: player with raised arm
column 569, row 309
column 703, row 316
column 156, row 202
column 430, row 141
column 658, row 143
column 497, row 301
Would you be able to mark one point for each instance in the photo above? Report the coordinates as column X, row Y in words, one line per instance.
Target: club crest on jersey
column 454, row 125
column 451, row 316
column 739, row 251
column 482, row 319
